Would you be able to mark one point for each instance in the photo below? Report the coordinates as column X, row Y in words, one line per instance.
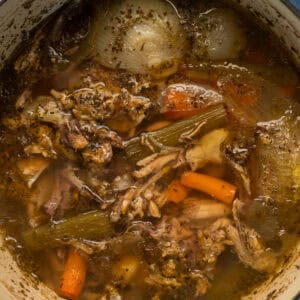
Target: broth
column 152, row 151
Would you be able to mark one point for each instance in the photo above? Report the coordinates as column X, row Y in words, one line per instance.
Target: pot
column 19, row 17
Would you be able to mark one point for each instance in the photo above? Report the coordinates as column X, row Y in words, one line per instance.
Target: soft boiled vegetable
column 143, row 37
column 197, row 209
column 74, row 274
column 125, row 268
column 219, row 35
column 243, row 93
column 185, row 100
column 150, row 142
column 176, row 192
column 91, row 225
column 217, row 188
column 274, row 163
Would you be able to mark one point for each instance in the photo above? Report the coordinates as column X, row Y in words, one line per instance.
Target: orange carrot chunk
column 176, row 192
column 182, row 101
column 73, row 276
column 215, row 187
column 242, row 92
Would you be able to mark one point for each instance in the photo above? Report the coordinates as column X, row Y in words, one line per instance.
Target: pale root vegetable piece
column 157, row 125
column 212, row 186
column 176, row 192
column 126, row 268
column 196, row 209
column 73, row 276
column 31, row 168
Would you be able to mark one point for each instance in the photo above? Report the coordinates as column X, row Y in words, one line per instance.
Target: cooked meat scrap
column 248, row 244
column 72, row 137
column 212, row 242
column 98, row 154
column 99, row 103
column 31, row 169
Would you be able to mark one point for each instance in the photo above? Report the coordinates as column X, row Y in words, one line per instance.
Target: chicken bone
column 65, row 179
column 156, row 164
column 198, row 209
column 207, row 149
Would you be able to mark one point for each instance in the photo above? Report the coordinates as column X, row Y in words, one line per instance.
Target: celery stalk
column 93, row 225
column 212, row 118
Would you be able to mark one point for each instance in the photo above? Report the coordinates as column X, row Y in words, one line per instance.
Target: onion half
column 219, row 35
column 142, row 37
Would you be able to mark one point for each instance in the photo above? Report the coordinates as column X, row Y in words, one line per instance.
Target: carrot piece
column 240, row 92
column 176, row 192
column 178, row 104
column 73, row 276
column 215, row 187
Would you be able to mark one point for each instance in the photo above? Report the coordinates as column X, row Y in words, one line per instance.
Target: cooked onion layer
column 219, row 35
column 139, row 36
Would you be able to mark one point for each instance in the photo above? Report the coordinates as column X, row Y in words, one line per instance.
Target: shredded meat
column 248, row 245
